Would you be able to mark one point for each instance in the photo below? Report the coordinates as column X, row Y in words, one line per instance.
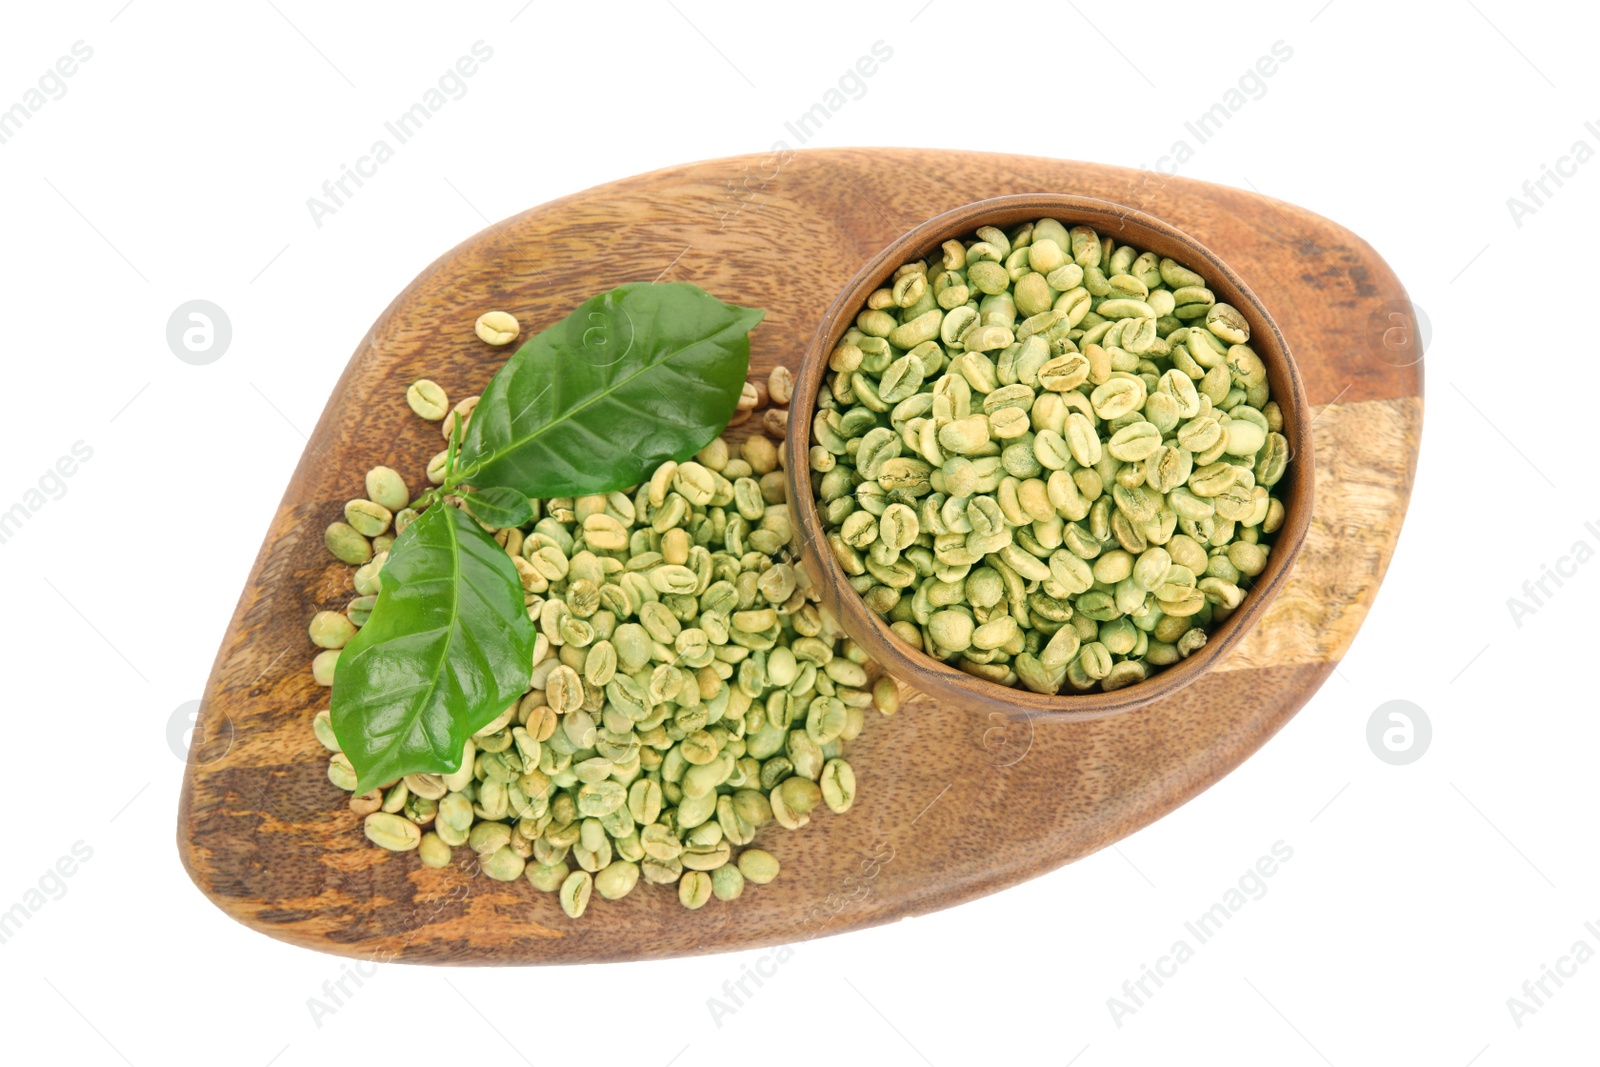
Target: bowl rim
column 924, row 672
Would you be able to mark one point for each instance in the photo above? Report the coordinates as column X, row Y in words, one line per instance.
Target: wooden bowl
column 921, row 671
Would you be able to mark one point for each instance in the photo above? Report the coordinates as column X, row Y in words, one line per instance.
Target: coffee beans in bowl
column 1046, row 455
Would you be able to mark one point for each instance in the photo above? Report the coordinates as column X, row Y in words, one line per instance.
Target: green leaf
column 504, row 509
column 448, row 648
column 643, row 374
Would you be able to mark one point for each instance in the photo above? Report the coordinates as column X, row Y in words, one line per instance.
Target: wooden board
column 267, row 838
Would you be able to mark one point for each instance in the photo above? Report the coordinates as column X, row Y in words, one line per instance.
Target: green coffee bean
column 367, row 518
column 503, row 864
column 433, row 851
column 838, row 786
column 341, row 773
column 322, row 725
column 575, row 891
column 331, row 629
column 1118, row 397
column 1244, row 438
column 727, row 883
column 393, row 832
column 386, row 488
column 323, row 664
column 617, row 879
column 1124, row 673
column 951, row 630
column 1134, row 442
column 547, row 878
column 359, row 610
column 1212, row 479
column 347, row 544
column 428, row 400
column 1061, row 649
column 694, row 889
column 1228, row 324
column 758, row 865
column 496, row 328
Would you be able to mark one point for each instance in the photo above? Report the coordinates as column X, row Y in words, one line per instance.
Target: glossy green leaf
column 504, row 509
column 635, row 377
column 448, row 648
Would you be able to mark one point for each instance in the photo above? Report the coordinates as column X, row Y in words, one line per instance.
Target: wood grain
column 1366, row 450
column 268, row 839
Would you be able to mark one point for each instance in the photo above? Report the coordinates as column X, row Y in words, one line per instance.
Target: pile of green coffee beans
column 1046, row 458
column 686, row 688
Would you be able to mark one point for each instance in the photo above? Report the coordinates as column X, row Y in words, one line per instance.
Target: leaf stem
column 428, row 499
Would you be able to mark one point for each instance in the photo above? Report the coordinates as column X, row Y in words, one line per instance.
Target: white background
column 177, row 166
